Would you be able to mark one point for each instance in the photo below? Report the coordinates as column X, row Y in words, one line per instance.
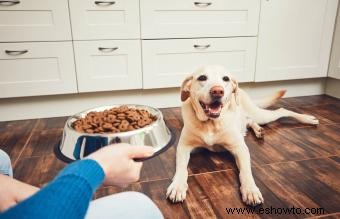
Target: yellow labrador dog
column 217, row 112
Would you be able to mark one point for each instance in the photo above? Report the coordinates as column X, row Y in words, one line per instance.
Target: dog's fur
column 210, row 121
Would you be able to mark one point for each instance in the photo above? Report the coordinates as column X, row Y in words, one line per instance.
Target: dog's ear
column 235, row 90
column 185, row 88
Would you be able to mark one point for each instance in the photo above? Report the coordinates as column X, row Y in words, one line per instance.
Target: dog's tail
column 270, row 100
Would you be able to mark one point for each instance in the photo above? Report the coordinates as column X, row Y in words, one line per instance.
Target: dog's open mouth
column 212, row 110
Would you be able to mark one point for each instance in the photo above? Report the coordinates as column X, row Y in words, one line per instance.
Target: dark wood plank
column 38, row 170
column 336, row 159
column 47, row 134
column 313, row 100
column 14, row 136
column 283, row 145
column 308, row 184
column 327, row 113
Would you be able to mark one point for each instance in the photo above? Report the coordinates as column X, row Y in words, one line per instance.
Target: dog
column 216, row 112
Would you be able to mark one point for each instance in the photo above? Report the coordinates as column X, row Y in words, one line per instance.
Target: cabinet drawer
column 29, row 69
column 108, row 65
column 116, row 19
column 34, row 20
column 211, row 18
column 167, row 62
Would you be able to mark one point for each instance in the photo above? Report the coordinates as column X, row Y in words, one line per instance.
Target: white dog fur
column 208, row 123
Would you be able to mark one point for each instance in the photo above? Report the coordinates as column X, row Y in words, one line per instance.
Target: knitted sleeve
column 67, row 196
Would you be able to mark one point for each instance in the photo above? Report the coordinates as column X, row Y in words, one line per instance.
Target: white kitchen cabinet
column 34, row 20
column 108, row 65
column 167, row 62
column 294, row 39
column 334, row 65
column 40, row 68
column 105, row 19
column 212, row 18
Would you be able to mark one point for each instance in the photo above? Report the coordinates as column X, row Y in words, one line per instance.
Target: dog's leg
column 258, row 130
column 262, row 116
column 251, row 194
column 176, row 192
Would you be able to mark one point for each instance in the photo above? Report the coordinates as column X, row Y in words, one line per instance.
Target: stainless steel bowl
column 76, row 145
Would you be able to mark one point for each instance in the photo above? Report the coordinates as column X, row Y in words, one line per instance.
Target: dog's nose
column 217, row 92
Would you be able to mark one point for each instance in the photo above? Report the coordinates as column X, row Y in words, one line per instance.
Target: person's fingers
column 140, row 151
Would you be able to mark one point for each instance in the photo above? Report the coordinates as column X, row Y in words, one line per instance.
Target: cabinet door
column 108, row 65
column 212, row 18
column 294, row 39
column 30, row 69
column 334, row 65
column 107, row 19
column 34, row 20
column 167, row 62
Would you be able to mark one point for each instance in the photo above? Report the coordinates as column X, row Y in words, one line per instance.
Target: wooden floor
column 295, row 165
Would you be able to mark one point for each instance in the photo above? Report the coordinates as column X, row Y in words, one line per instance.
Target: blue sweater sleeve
column 67, row 196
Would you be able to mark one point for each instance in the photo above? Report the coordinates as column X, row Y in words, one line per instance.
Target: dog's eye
column 202, row 78
column 225, row 78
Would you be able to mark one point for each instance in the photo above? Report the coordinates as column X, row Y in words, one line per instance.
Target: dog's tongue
column 214, row 109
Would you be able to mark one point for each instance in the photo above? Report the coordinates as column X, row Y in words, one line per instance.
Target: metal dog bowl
column 76, row 145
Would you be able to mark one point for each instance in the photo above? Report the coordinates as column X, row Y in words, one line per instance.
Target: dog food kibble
column 117, row 119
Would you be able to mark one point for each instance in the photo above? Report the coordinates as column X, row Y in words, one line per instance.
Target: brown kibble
column 116, row 124
column 107, row 126
column 130, row 128
column 111, row 118
column 141, row 123
column 89, row 131
column 123, row 127
column 114, row 120
column 87, row 126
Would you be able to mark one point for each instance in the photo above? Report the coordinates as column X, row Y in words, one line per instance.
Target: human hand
column 13, row 191
column 117, row 162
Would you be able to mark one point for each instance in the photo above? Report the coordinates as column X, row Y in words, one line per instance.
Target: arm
column 13, row 191
column 67, row 196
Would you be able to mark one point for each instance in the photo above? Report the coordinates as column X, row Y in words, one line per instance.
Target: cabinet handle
column 9, row 3
column 202, row 4
column 105, row 3
column 103, row 49
column 201, row 46
column 16, row 52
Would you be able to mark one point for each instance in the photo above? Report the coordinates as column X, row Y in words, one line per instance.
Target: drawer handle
column 103, row 49
column 16, row 52
column 202, row 46
column 203, row 4
column 105, row 3
column 9, row 3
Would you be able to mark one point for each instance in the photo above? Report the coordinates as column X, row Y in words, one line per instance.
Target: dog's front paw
column 251, row 195
column 177, row 192
column 259, row 132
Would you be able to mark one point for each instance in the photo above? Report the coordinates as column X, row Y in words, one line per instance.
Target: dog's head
column 210, row 88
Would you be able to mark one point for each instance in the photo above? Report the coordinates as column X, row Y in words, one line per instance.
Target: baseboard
column 333, row 87
column 65, row 105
